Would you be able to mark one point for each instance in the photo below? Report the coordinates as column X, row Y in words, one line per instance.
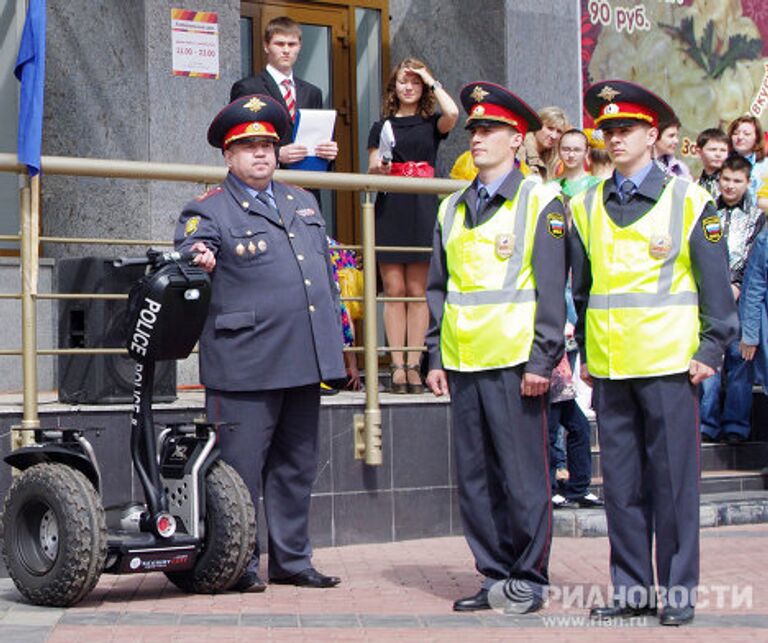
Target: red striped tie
column 290, row 101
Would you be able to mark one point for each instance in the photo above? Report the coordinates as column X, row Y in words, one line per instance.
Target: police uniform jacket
column 274, row 320
column 717, row 310
column 549, row 268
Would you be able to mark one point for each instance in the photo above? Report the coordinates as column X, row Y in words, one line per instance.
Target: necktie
column 290, row 100
column 626, row 190
column 483, row 199
column 267, row 200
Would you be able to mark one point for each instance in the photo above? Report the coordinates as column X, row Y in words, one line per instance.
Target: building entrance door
column 324, row 61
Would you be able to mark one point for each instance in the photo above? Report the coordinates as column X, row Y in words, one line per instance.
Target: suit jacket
column 308, row 96
column 274, row 320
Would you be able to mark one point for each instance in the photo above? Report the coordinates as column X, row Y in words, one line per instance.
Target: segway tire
column 230, row 534
column 55, row 535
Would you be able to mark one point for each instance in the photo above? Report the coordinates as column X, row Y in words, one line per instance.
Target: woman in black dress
column 408, row 219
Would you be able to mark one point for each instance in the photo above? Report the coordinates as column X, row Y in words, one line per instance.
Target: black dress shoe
column 734, row 438
column 250, row 581
column 473, row 603
column 310, row 577
column 708, row 439
column 620, row 611
column 676, row 615
column 589, row 500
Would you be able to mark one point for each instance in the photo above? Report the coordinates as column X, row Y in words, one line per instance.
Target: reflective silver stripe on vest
column 642, row 300
column 662, row 296
column 589, row 197
column 450, row 217
column 508, row 293
column 679, row 189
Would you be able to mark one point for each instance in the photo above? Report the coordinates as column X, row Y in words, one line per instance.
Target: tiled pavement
column 403, row 591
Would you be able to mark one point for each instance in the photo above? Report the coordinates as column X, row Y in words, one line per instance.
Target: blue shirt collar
column 252, row 191
column 493, row 186
column 637, row 178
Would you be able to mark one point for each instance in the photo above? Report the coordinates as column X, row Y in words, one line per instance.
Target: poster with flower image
column 707, row 58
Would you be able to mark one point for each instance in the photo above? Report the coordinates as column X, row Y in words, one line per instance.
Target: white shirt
column 279, row 77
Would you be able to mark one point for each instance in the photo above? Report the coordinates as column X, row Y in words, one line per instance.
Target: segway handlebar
column 155, row 258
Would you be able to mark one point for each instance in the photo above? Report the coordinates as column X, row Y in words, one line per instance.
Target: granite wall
column 543, row 53
column 110, row 93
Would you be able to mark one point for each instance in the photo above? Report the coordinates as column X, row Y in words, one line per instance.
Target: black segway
column 197, row 524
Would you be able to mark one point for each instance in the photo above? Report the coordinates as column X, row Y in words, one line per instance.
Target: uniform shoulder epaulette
column 214, row 190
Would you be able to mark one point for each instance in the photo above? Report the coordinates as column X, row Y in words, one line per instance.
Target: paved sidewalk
column 403, row 591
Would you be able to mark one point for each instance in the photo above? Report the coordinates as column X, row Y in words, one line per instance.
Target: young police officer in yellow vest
column 496, row 296
column 651, row 288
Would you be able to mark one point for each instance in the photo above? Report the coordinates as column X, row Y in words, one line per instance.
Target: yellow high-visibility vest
column 643, row 315
column 490, row 305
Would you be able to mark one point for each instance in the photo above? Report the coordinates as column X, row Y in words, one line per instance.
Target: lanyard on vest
column 508, row 292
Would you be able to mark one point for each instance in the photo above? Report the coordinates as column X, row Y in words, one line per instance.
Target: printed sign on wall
column 195, row 43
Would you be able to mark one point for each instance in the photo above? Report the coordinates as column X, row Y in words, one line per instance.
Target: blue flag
column 30, row 70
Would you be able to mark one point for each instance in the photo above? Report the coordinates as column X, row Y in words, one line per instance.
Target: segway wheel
column 230, row 534
column 55, row 531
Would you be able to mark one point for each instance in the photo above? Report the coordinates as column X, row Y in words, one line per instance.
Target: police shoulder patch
column 191, row 226
column 713, row 228
column 556, row 224
column 214, row 190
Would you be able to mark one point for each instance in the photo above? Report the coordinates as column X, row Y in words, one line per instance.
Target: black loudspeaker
column 100, row 323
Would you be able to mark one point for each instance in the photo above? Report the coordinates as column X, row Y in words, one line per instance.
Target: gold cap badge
column 478, row 93
column 608, row 93
column 255, row 104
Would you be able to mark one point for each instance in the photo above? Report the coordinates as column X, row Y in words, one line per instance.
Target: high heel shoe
column 399, row 388
column 416, row 389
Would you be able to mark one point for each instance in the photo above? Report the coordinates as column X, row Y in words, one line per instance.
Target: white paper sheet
column 314, row 126
column 386, row 142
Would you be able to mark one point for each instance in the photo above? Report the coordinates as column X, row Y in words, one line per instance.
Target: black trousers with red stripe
column 501, row 449
column 649, row 448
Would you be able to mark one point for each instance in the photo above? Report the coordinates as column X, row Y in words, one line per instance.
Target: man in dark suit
column 273, row 330
column 282, row 44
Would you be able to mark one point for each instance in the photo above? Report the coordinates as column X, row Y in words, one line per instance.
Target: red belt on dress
column 421, row 169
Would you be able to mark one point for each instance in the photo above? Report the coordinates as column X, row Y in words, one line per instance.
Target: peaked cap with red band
column 489, row 103
column 254, row 116
column 618, row 103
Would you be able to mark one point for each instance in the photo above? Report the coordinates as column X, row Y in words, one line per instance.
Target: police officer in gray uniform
column 273, row 331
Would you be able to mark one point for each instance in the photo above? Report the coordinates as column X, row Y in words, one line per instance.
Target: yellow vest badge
column 191, row 226
column 660, row 246
column 713, row 228
column 505, row 245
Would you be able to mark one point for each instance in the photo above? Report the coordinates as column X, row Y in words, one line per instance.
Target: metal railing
column 367, row 426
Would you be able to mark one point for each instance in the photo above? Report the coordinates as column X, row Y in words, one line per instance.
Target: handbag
column 351, row 285
column 562, row 387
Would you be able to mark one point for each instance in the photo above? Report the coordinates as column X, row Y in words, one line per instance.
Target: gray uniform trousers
column 649, row 447
column 273, row 446
column 501, row 448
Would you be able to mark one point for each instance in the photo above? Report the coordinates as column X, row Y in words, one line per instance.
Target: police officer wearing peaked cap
column 655, row 312
column 496, row 298
column 273, row 330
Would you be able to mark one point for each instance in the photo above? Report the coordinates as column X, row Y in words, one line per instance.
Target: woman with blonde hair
column 411, row 98
column 539, row 148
